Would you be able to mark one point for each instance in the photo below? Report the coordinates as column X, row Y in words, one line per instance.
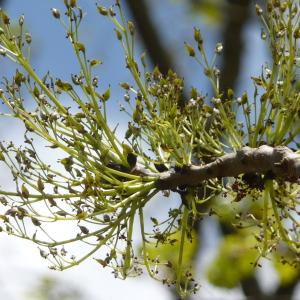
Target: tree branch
column 159, row 54
column 281, row 161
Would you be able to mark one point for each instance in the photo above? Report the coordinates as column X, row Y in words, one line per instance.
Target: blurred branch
column 237, row 14
column 158, row 53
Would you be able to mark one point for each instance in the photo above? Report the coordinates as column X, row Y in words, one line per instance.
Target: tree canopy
column 197, row 149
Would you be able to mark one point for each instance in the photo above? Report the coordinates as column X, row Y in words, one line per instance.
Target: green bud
column 131, row 27
column 197, row 36
column 21, row 20
column 24, row 191
column 259, row 10
column 118, row 34
column 190, row 50
column 102, row 10
column 297, row 33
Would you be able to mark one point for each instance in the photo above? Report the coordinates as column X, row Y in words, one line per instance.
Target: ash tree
column 102, row 184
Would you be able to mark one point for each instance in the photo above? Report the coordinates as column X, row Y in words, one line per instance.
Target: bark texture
column 280, row 162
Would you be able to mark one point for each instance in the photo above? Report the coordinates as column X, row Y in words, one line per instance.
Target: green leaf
column 169, row 250
column 287, row 268
column 234, row 261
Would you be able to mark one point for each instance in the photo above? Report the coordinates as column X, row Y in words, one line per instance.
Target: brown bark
column 279, row 161
column 237, row 15
column 158, row 53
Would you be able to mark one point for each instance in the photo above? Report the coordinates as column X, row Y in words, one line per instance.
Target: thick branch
column 237, row 15
column 159, row 54
column 281, row 161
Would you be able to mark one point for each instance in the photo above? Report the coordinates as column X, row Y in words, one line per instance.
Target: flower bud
column 55, row 13
column 259, row 10
column 102, row 10
column 190, row 50
column 21, row 20
column 131, row 27
column 197, row 36
column 219, row 48
column 297, row 33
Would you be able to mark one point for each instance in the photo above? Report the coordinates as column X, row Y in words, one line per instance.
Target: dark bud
column 160, row 168
column 131, row 159
column 36, row 222
column 253, row 180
